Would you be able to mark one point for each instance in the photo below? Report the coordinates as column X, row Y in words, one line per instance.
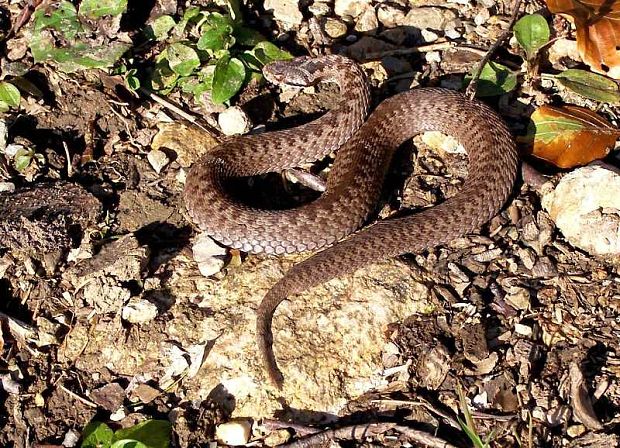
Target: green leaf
column 247, row 36
column 132, row 81
column 93, row 9
column 160, row 27
column 189, row 14
column 267, row 52
column 62, row 18
column 182, row 59
column 495, row 79
column 22, row 159
column 227, row 79
column 163, row 78
column 532, row 33
column 129, row 444
column 97, row 435
column 591, row 85
column 81, row 56
column 216, row 32
column 9, row 94
column 152, row 433
column 3, row 107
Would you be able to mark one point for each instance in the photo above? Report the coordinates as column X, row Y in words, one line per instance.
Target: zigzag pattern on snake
column 364, row 152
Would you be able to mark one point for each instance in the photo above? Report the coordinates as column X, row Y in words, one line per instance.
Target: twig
column 77, row 397
column 423, row 438
column 177, row 110
column 425, row 404
column 470, row 92
column 353, row 432
column 301, row 430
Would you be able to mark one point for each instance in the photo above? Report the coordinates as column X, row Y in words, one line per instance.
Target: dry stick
column 404, row 51
column 177, row 110
column 470, row 92
column 353, row 432
column 422, row 437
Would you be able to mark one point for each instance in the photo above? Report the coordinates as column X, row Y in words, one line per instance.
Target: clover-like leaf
column 150, row 433
column 97, row 435
column 9, row 94
column 216, row 33
column 495, row 79
column 227, row 79
column 94, row 9
column 532, row 33
column 160, row 27
column 182, row 59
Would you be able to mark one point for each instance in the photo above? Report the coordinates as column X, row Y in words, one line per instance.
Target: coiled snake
column 365, row 149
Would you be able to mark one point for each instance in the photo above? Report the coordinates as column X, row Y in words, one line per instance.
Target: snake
column 333, row 224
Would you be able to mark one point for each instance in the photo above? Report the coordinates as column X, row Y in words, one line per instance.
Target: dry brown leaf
column 598, row 31
column 569, row 136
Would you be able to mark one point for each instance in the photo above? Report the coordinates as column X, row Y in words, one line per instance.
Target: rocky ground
column 114, row 309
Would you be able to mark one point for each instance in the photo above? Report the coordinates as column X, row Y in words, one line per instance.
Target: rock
column 587, row 214
column 234, row 121
column 327, row 353
column 41, row 221
column 429, row 18
column 139, row 311
column 234, row 433
column 110, row 397
column 209, row 255
column 136, row 210
column 351, row 8
column 187, row 142
column 319, row 9
column 429, row 36
column 335, row 28
column 390, row 16
column 367, row 46
column 158, row 159
column 286, row 11
column 367, row 21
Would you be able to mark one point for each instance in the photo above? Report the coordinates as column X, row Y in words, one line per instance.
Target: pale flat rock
column 351, row 8
column 429, row 18
column 335, row 28
column 585, row 206
column 286, row 11
column 327, row 340
column 234, row 121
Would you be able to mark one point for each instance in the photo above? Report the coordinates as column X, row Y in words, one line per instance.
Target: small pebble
column 234, row 121
column 139, row 311
column 335, row 28
column 429, row 36
column 234, row 433
column 433, row 56
column 158, row 159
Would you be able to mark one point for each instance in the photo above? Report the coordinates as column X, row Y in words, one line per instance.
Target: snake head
column 302, row 71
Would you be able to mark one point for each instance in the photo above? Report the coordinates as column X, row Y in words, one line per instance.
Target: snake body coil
column 354, row 184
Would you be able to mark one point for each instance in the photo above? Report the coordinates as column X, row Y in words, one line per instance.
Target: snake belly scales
column 364, row 152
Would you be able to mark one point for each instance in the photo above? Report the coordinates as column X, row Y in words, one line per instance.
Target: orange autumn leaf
column 570, row 136
column 598, row 31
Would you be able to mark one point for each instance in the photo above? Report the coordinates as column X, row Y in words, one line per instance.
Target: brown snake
column 354, row 184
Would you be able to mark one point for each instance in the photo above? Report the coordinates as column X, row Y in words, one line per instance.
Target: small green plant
column 209, row 51
column 468, row 426
column 9, row 96
column 148, row 434
column 532, row 33
column 61, row 33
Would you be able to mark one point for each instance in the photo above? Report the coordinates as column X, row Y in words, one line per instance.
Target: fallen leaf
column 569, row 136
column 590, row 85
column 598, row 28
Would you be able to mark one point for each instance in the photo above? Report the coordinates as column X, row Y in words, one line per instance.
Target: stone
column 286, row 11
column 209, row 255
column 390, row 16
column 587, row 215
column 139, row 311
column 351, row 8
column 367, row 21
column 158, row 159
column 335, row 28
column 429, row 18
column 234, row 121
column 234, row 433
